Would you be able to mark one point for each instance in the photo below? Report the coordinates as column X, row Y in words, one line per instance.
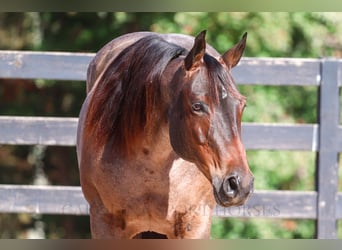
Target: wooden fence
column 324, row 205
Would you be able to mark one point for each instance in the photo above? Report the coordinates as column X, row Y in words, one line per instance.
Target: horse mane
column 123, row 102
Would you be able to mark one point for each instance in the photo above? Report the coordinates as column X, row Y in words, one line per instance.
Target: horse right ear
column 193, row 59
column 233, row 55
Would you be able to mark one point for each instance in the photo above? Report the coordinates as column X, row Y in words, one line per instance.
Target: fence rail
column 324, row 204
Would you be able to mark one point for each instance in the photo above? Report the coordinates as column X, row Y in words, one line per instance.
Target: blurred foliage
column 277, row 34
column 262, row 229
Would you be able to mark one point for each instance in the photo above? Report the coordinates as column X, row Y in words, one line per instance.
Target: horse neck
column 156, row 142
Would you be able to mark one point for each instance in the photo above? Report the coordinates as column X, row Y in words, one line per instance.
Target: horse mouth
column 226, row 201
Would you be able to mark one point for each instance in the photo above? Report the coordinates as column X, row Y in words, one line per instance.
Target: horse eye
column 198, row 107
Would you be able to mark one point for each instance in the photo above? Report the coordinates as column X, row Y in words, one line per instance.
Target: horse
column 159, row 136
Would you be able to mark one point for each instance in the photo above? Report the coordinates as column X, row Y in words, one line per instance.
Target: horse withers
column 159, row 137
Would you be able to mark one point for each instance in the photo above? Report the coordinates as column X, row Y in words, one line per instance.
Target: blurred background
column 300, row 34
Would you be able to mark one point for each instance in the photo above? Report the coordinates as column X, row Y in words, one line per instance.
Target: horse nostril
column 231, row 186
column 233, row 182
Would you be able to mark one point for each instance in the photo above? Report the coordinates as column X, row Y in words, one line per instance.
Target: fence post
column 327, row 156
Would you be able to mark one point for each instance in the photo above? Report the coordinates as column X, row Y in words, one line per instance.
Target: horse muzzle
column 233, row 190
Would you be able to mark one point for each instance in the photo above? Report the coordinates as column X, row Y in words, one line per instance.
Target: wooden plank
column 62, row 131
column 327, row 157
column 44, row 65
column 42, row 199
column 339, row 139
column 277, row 71
column 38, row 131
column 339, row 206
column 73, row 66
column 274, row 204
column 340, row 76
column 70, row 200
column 280, row 136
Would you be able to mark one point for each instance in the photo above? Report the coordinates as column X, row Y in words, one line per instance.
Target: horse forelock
column 221, row 83
column 128, row 93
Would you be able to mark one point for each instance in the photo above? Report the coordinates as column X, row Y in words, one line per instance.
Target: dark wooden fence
column 324, row 205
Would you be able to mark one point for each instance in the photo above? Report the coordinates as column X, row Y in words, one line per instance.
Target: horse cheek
column 200, row 135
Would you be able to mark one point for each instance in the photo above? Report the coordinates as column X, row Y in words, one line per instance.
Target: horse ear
column 196, row 53
column 233, row 55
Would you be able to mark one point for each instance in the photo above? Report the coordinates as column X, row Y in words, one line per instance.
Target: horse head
column 205, row 120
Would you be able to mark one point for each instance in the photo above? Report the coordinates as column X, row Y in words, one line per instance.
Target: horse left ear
column 233, row 55
column 196, row 54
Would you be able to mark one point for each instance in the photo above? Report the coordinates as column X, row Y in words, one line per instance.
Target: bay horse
column 159, row 136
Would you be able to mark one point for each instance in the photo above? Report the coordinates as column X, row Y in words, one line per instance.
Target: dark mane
column 128, row 91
